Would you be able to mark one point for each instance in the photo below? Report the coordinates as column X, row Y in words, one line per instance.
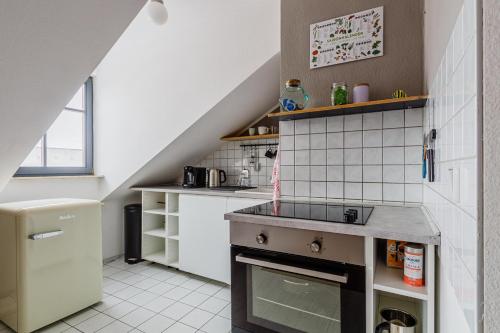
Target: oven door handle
column 291, row 269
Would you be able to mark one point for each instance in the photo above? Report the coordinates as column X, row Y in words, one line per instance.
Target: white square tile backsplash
column 354, row 156
column 452, row 198
column 232, row 158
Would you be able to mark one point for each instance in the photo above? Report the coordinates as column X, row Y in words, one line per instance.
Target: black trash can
column 133, row 229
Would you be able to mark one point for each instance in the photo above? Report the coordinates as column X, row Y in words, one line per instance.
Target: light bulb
column 157, row 11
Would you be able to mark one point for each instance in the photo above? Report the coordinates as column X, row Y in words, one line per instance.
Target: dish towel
column 275, row 180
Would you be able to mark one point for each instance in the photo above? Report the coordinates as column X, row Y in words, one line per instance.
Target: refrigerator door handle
column 45, row 235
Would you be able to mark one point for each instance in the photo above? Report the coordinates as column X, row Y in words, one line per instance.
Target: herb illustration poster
column 348, row 38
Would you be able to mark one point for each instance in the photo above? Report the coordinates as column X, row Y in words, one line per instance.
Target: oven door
column 280, row 293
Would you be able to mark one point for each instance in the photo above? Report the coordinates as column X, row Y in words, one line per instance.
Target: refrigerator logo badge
column 67, row 217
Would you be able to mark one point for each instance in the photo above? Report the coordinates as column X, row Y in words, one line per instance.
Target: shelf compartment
column 157, row 257
column 173, row 213
column 365, row 107
column 390, row 280
column 251, row 137
column 153, row 201
column 173, row 203
column 157, row 211
column 173, row 237
column 160, row 232
column 174, row 264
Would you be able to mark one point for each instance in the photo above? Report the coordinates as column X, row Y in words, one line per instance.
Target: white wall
column 159, row 80
column 48, row 49
column 31, row 188
column 452, row 198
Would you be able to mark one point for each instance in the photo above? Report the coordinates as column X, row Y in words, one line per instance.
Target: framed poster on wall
column 348, row 38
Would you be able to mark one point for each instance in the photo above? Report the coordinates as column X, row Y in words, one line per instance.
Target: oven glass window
column 289, row 303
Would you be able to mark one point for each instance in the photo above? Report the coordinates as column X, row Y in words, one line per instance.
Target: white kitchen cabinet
column 204, row 249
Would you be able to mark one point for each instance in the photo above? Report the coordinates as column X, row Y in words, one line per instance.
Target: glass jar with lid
column 339, row 94
column 293, row 96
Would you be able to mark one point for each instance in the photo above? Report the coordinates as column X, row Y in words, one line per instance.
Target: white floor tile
column 196, row 318
column 107, row 302
column 58, row 327
column 81, row 316
column 159, row 304
column 95, row 323
column 194, row 299
column 156, row 324
column 163, row 276
column 137, row 317
column 146, row 283
column 224, row 294
column 177, row 293
column 72, row 330
column 113, row 286
column 116, row 327
column 143, row 298
column 180, row 328
column 178, row 279
column 108, row 271
column 217, row 325
column 214, row 305
column 209, row 289
column 121, row 276
column 161, row 288
column 137, row 268
column 120, row 310
column 193, row 284
column 177, row 310
column 128, row 292
column 226, row 312
column 118, row 263
column 135, row 278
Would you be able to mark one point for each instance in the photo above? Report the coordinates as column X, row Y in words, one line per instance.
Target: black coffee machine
column 194, row 177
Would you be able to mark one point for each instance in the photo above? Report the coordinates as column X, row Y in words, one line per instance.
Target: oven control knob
column 315, row 246
column 261, row 239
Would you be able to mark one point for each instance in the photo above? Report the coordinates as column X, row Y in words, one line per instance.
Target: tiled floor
column 151, row 298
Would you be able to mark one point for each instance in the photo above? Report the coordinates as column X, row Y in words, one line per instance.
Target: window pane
column 65, row 141
column 78, row 102
column 34, row 159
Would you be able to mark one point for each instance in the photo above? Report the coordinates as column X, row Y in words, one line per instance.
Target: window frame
column 88, row 146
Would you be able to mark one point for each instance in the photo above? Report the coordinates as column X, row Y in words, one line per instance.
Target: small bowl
column 263, row 130
column 251, row 131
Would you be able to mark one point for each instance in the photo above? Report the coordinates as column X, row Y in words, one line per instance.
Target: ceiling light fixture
column 157, row 11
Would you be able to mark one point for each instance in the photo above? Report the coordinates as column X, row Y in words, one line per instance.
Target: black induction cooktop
column 316, row 211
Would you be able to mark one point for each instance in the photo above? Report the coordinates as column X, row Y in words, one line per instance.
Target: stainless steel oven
column 286, row 292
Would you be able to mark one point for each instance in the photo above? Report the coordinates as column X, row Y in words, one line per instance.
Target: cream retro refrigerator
column 50, row 260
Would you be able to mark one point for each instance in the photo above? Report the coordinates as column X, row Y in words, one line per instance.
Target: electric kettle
column 216, row 177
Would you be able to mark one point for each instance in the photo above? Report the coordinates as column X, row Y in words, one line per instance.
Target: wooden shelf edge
column 372, row 106
column 253, row 137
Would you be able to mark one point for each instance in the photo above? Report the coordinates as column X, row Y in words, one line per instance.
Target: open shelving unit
column 160, row 228
column 364, row 107
column 389, row 290
column 264, row 120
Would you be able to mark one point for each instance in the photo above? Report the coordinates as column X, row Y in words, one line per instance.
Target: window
column 67, row 147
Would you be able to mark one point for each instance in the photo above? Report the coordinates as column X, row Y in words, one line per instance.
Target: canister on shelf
column 395, row 253
column 339, row 94
column 414, row 265
column 361, row 93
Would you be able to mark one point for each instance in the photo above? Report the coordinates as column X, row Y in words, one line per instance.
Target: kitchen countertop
column 403, row 223
column 256, row 193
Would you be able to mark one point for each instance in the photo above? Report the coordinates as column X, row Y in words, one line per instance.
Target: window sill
column 57, row 177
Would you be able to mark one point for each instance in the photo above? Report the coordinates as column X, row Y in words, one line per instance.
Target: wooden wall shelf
column 253, row 137
column 365, row 107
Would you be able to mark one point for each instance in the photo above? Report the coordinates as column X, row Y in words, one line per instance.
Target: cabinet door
column 204, row 237
column 240, row 203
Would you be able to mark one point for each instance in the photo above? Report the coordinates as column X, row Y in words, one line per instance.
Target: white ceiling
column 47, row 50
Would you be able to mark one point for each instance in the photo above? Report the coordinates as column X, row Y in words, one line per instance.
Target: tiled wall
column 232, row 158
column 452, row 198
column 376, row 156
